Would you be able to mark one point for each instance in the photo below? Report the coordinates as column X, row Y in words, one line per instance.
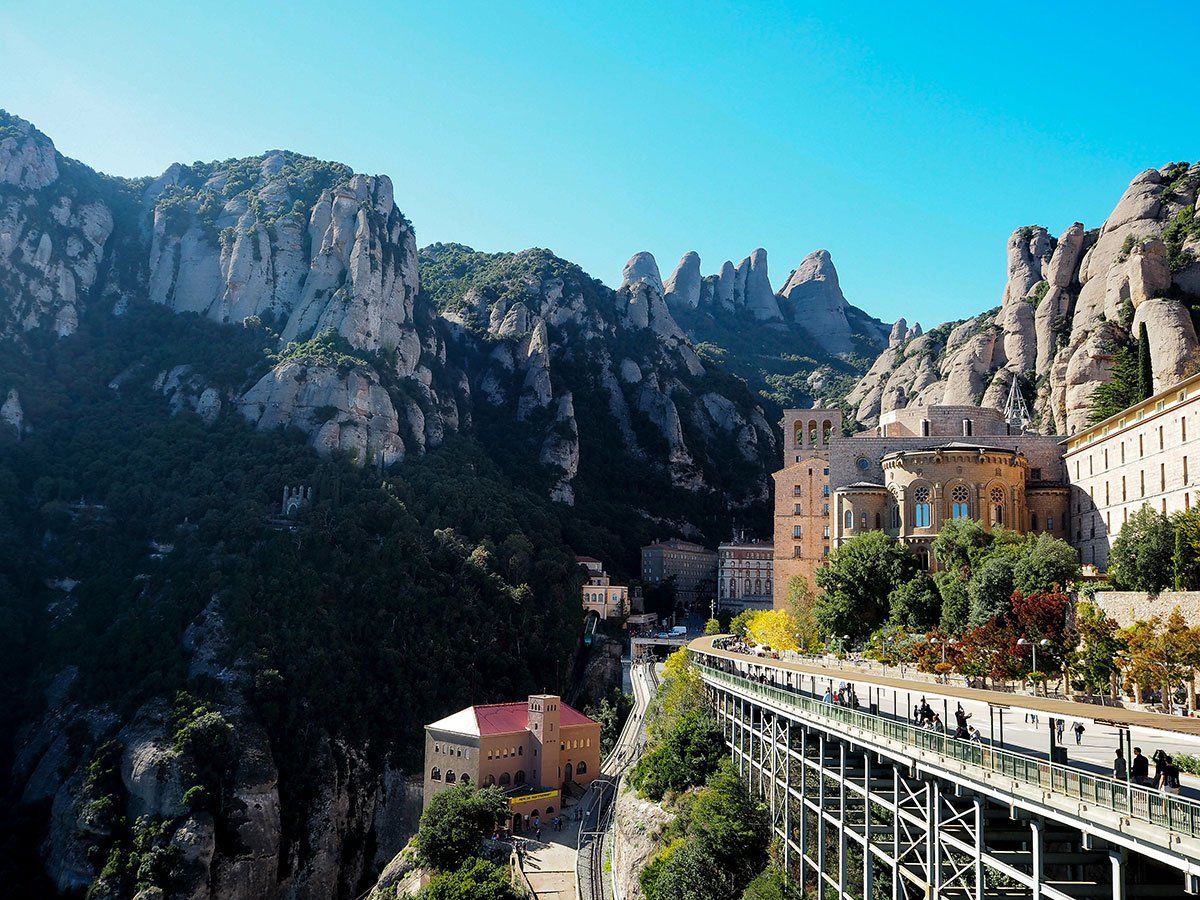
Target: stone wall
column 1126, row 607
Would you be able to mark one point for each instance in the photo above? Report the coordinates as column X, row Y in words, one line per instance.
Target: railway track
column 589, row 873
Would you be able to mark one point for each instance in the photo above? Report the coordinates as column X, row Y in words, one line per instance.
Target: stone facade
column 802, row 497
column 744, row 574
column 1127, row 607
column 599, row 594
column 919, row 467
column 693, row 567
column 1145, row 455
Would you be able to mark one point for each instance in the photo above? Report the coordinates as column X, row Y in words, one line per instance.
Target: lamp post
column 1033, row 646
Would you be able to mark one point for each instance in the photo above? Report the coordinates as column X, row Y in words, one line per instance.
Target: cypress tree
column 1145, row 369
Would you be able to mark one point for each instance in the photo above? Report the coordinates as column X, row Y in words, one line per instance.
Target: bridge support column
column 821, row 817
column 787, row 795
column 1116, row 859
column 841, row 819
column 803, row 810
column 979, row 878
column 868, row 864
column 1035, row 842
column 897, row 879
column 933, row 846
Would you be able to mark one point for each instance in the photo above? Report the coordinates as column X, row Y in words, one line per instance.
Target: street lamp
column 1033, row 646
column 945, row 643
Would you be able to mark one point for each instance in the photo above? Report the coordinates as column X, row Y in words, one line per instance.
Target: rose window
column 960, row 494
column 921, row 495
column 997, row 495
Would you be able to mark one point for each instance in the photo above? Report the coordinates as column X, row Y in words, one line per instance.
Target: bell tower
column 546, row 737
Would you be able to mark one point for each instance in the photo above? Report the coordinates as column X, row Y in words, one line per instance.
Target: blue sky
column 907, row 142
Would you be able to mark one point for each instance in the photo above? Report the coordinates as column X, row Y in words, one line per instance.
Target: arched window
column 826, row 432
column 1033, row 522
column 436, row 774
column 960, row 500
column 799, row 433
column 997, row 497
column 581, row 769
column 491, row 779
column 878, row 522
column 895, row 515
column 466, row 779
column 768, row 588
column 848, row 519
column 921, row 508
column 505, row 779
column 520, row 751
column 812, row 433
column 519, row 778
column 450, row 778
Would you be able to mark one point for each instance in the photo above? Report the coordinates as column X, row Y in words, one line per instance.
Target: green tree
column 960, row 544
column 1142, row 557
column 741, row 623
column 1121, row 391
column 1046, row 564
column 1145, row 366
column 455, row 823
column 771, row 884
column 712, row 626
column 856, row 584
column 990, row 589
column 1185, row 561
column 916, row 603
column 954, row 587
column 477, row 879
column 1094, row 661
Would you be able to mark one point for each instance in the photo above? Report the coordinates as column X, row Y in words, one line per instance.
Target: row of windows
column 1162, row 484
column 452, row 751
column 1141, row 440
column 435, row 774
column 1094, row 518
column 506, row 752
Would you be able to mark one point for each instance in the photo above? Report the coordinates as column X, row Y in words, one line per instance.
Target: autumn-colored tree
column 1162, row 654
column 774, row 628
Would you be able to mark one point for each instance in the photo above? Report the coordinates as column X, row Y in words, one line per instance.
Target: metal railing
column 1175, row 813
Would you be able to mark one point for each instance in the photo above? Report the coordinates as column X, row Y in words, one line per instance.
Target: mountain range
column 217, row 700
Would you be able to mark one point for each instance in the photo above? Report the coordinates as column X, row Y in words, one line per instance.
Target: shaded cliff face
column 591, row 375
column 1069, row 305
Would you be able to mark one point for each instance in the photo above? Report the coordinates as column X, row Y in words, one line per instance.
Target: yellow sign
column 529, row 798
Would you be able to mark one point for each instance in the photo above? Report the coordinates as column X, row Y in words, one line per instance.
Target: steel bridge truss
column 853, row 824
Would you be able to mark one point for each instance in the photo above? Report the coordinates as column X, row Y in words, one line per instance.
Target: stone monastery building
column 923, row 465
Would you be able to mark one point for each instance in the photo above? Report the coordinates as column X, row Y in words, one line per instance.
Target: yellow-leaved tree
column 774, row 628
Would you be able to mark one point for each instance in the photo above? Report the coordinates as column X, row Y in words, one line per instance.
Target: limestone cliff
column 1068, row 304
column 538, row 335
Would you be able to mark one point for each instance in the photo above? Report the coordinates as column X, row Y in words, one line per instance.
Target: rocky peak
column 682, row 290
column 642, row 269
column 899, row 333
column 813, row 299
column 28, row 159
column 756, row 293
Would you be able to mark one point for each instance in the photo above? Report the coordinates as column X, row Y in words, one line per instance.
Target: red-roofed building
column 541, row 752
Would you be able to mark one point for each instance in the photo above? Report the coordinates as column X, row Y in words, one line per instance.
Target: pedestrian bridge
column 869, row 805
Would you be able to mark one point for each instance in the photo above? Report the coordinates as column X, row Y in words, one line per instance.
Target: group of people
column 845, row 695
column 925, row 716
column 1166, row 773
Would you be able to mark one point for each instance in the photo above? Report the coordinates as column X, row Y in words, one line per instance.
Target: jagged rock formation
column 53, row 230
column 356, row 804
column 1067, row 306
column 683, row 287
column 12, row 414
column 539, row 334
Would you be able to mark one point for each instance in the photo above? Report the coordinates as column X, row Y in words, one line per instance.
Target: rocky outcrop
column 638, row 825
column 342, row 410
column 187, row 390
column 813, row 299
column 53, row 234
column 12, row 414
column 1068, row 306
column 642, row 269
column 357, row 815
column 682, row 290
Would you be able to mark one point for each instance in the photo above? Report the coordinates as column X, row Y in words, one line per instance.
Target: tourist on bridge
column 1161, row 761
column 1140, row 768
column 1119, row 767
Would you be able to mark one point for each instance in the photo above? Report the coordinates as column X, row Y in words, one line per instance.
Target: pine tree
column 1145, row 369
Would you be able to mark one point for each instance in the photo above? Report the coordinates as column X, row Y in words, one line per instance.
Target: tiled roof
column 503, row 718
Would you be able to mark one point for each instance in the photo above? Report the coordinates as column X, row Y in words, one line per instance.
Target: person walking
column 1170, row 777
column 1139, row 769
column 1119, row 766
column 1078, row 729
column 1060, row 725
column 1161, row 760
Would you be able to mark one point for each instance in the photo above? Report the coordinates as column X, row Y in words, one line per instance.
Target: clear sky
column 907, row 142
